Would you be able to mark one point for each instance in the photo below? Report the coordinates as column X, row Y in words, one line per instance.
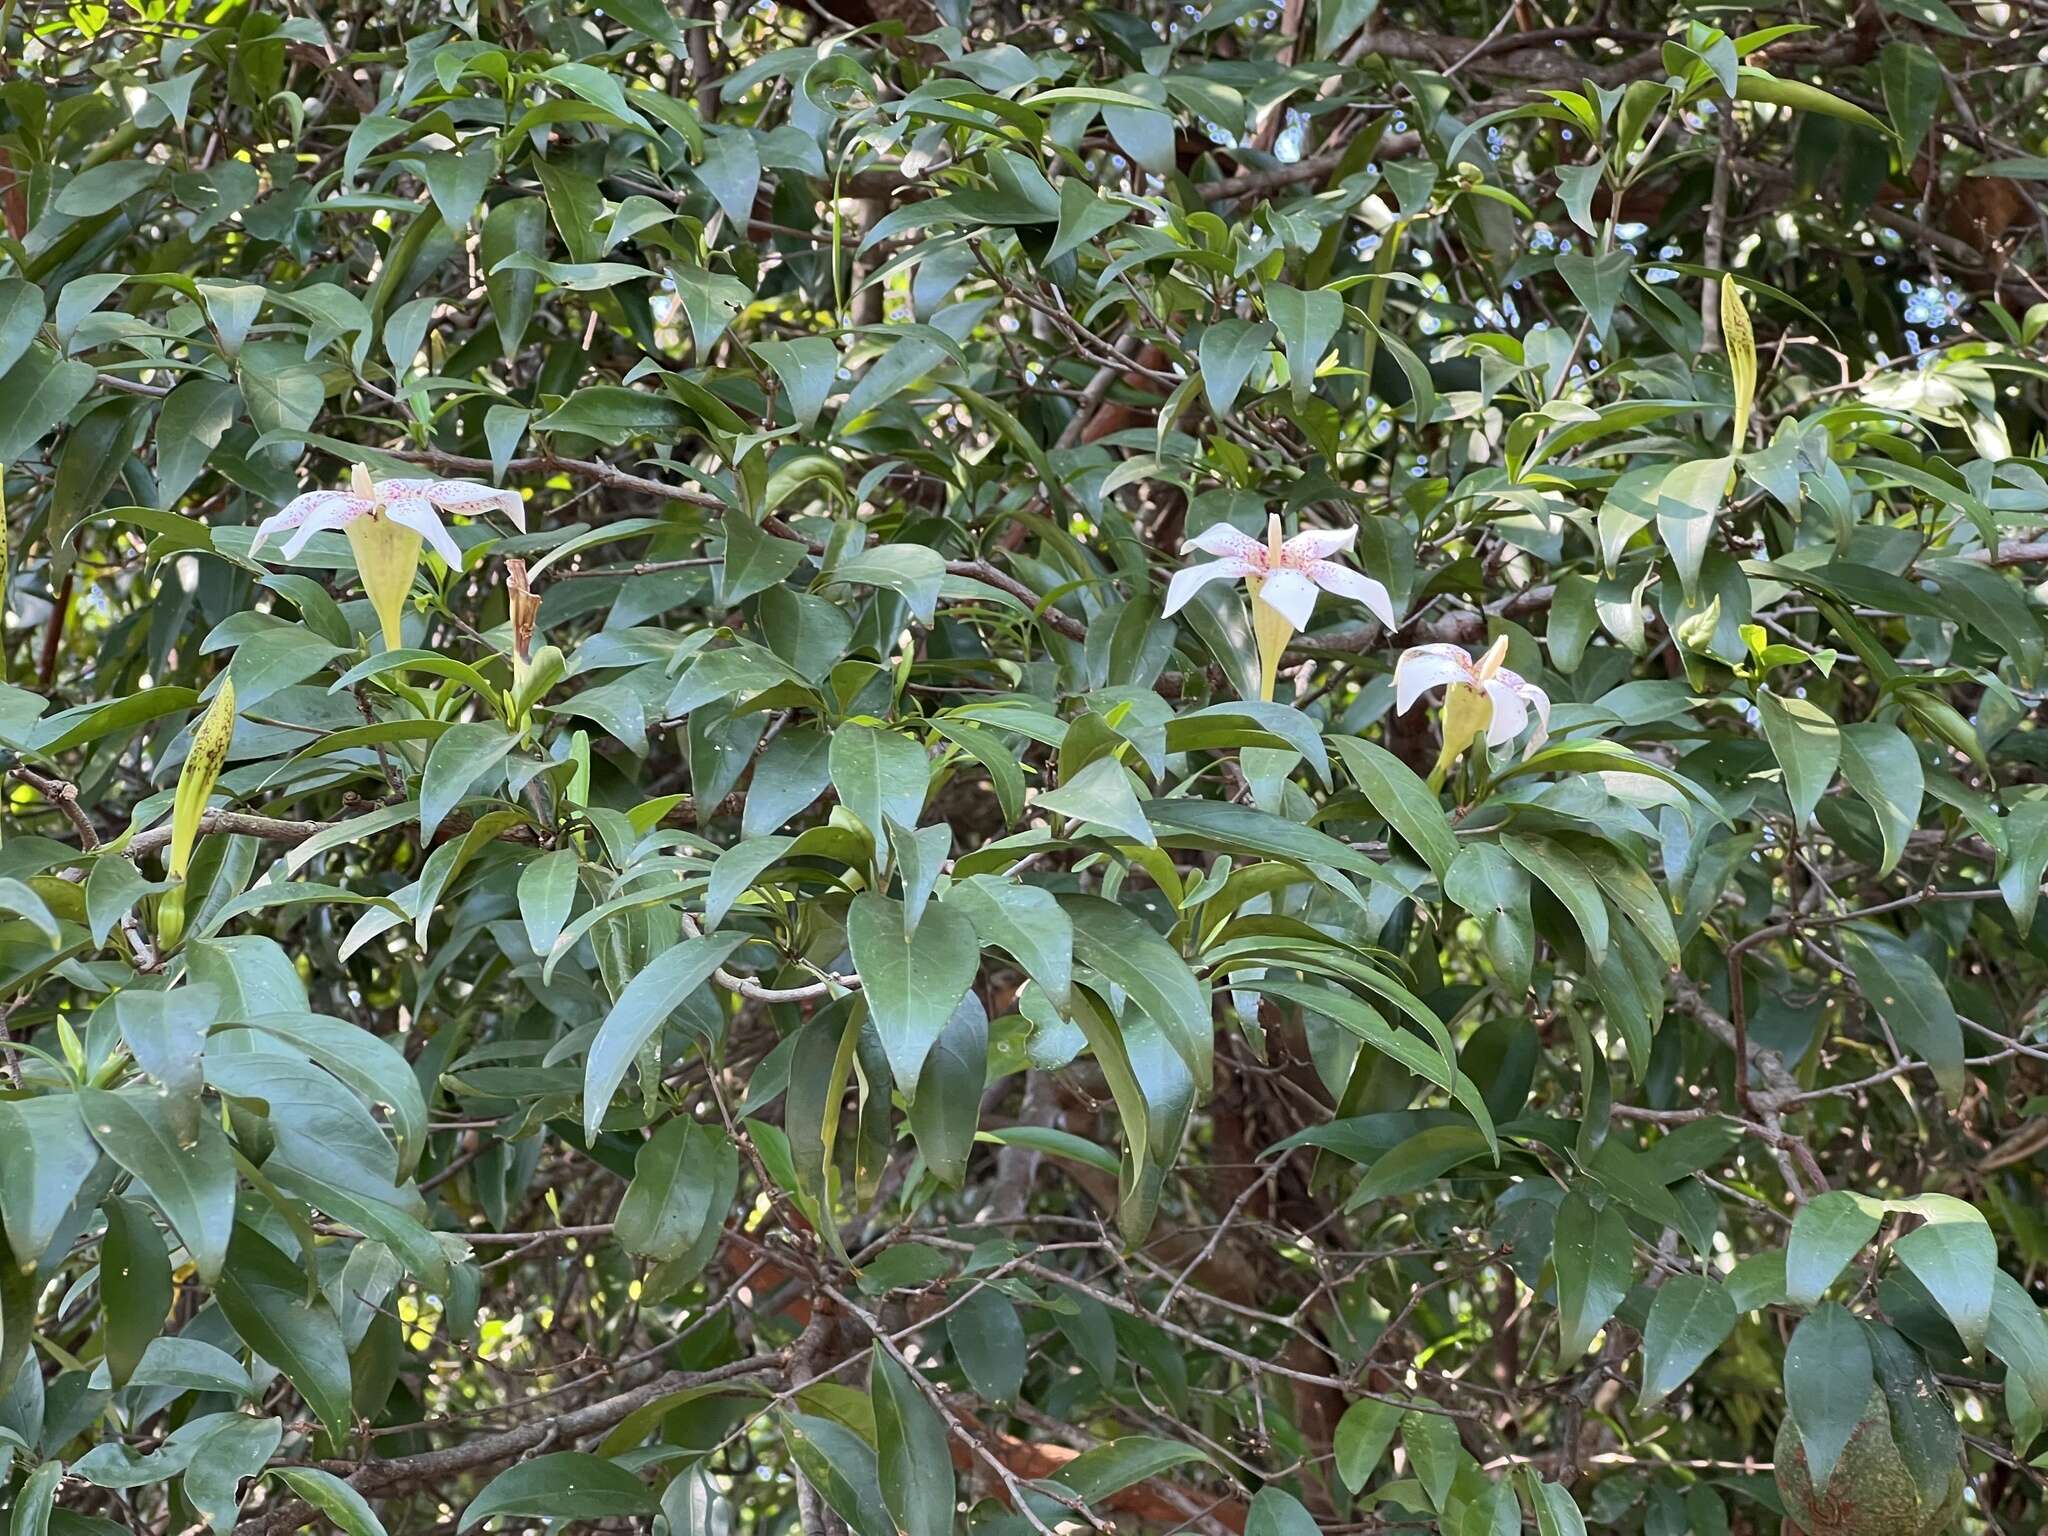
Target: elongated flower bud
column 525, row 605
column 386, row 557
column 196, row 779
column 1740, row 340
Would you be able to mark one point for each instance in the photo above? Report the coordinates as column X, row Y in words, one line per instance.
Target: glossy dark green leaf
column 46, row 1156
column 192, row 1182
column 913, row 982
column 647, row 1003
column 677, row 1177
column 263, row 1294
column 1688, row 1321
column 1594, row 1255
column 913, row 1462
column 562, row 1485
column 1828, row 1382
column 135, row 1282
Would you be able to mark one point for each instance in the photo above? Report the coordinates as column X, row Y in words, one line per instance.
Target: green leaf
column 35, row 395
column 1243, row 829
column 135, row 1281
column 335, row 1499
column 1594, row 1255
column 1828, row 1382
column 563, row 1485
column 36, row 1501
column 194, row 417
column 1881, row 764
column 1419, row 1162
column 1688, row 502
column 1569, row 880
column 1754, row 85
column 264, row 1297
column 1827, row 1232
column 1101, row 793
column 1910, row 998
column 946, row 1109
column 368, row 1063
column 2026, row 860
column 612, row 413
column 1127, row 1460
column 1494, row 888
column 880, row 775
column 2018, row 1335
column 1308, row 323
column 1402, row 798
column 1025, row 921
column 1431, row 1441
column 106, row 187
column 1362, row 1438
column 193, row 1183
column 988, row 1341
column 234, row 1449
column 1276, row 1512
column 1083, row 216
column 841, row 1466
column 1808, row 747
column 1556, row 1513
column 1911, row 79
column 1954, row 1255
column 547, row 893
column 46, row 1156
column 1433, row 1064
column 645, row 1005
column 754, row 559
column 1229, row 350
column 677, row 1178
column 912, row 982
column 1120, row 946
column 1598, row 283
column 1688, row 1321
column 808, row 368
column 513, row 225
column 21, row 316
column 461, row 757
column 731, row 171
column 912, row 1459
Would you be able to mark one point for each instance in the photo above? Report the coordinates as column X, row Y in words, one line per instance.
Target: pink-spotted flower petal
column 1290, row 593
column 1227, row 543
column 1318, row 544
column 418, row 514
column 1343, row 581
column 1510, row 712
column 1423, row 667
column 467, row 498
column 1191, row 579
column 311, row 513
column 1289, row 571
column 1526, row 696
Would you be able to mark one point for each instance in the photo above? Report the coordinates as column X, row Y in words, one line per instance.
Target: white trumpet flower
column 1283, row 577
column 385, row 521
column 1483, row 696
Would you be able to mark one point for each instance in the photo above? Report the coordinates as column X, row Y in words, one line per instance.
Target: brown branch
column 405, row 1472
column 64, row 795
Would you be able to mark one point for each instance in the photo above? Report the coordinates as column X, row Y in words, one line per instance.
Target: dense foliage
column 631, row 894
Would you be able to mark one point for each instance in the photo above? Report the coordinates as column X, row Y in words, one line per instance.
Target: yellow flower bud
column 386, row 557
column 1467, row 714
column 1739, row 338
column 196, row 779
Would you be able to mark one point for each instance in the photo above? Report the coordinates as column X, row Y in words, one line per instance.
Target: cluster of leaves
column 797, row 992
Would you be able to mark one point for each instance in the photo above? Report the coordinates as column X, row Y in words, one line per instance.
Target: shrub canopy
column 647, row 882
